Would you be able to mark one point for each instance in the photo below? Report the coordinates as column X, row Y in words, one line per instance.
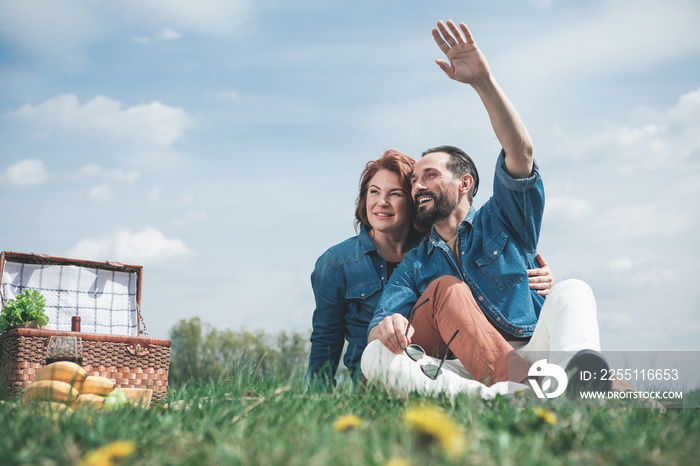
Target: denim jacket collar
column 366, row 243
column 435, row 238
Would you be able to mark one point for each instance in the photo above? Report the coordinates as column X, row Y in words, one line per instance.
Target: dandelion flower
column 397, row 461
column 546, row 415
column 106, row 454
column 346, row 422
column 434, row 422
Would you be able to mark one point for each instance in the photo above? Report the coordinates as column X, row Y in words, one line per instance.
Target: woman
column 349, row 277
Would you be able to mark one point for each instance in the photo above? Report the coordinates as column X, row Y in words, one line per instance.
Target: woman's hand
column 541, row 279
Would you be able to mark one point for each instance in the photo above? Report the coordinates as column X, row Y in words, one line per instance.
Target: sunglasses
column 416, row 352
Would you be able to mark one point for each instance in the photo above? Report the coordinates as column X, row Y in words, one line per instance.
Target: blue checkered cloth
column 105, row 300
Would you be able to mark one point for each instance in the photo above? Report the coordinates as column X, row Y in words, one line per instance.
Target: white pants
column 567, row 324
column 401, row 375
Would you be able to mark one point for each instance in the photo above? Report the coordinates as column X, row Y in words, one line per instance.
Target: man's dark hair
column 459, row 164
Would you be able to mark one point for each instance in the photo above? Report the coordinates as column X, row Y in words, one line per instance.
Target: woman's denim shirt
column 497, row 244
column 347, row 281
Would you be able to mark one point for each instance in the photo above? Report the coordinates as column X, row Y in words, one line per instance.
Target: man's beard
column 441, row 209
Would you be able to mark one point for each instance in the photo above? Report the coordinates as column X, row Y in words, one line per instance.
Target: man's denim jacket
column 497, row 244
column 347, row 281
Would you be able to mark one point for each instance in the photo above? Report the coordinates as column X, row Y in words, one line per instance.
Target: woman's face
column 388, row 205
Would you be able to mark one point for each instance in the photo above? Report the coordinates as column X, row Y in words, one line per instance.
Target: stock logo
column 547, row 372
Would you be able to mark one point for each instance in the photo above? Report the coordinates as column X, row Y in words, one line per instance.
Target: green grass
column 249, row 420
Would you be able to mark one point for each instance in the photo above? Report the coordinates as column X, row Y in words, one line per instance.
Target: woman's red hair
column 391, row 160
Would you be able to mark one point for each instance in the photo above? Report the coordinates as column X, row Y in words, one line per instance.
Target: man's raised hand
column 466, row 62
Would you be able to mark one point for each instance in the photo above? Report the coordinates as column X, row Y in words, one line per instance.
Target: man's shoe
column 588, row 371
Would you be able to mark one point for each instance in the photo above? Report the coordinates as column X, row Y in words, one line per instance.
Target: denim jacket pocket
column 364, row 298
column 501, row 262
column 363, row 291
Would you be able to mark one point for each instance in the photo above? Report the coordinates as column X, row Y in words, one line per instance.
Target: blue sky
column 219, row 143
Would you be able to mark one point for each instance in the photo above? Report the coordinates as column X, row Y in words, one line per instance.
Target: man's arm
column 389, row 322
column 468, row 65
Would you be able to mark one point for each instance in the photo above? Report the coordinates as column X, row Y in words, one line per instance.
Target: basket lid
column 106, row 295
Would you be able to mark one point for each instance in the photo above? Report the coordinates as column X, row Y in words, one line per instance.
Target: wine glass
column 64, row 348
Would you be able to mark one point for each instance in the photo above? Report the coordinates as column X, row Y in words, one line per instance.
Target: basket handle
column 143, row 322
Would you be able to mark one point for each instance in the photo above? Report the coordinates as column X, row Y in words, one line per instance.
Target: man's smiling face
column 435, row 190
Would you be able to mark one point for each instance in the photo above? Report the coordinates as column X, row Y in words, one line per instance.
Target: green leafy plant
column 25, row 307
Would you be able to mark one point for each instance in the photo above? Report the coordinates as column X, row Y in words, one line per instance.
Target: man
column 468, row 279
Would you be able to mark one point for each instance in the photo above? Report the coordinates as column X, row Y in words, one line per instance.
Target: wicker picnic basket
column 107, row 297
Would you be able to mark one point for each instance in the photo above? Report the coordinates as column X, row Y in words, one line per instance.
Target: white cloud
column 615, row 320
column 686, row 327
column 630, row 221
column 153, row 124
column 164, row 34
column 65, row 29
column 147, row 247
column 26, row 173
column 542, row 3
column 662, row 143
column 664, row 137
column 118, row 174
column 58, row 28
column 566, row 208
column 638, row 245
column 191, row 217
column 169, row 34
column 154, row 194
column 207, row 17
column 101, row 193
column 622, row 264
column 230, row 95
column 666, row 277
column 412, row 123
column 638, row 176
column 688, row 108
column 615, row 38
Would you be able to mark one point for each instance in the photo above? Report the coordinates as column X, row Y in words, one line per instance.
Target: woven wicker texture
column 23, row 354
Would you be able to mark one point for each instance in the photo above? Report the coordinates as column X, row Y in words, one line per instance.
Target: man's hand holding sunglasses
column 391, row 327
column 394, row 332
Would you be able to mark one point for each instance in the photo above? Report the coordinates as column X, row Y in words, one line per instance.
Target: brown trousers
column 479, row 346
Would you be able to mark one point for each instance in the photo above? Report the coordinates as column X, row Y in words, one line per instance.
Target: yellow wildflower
column 546, row 415
column 434, row 422
column 346, row 422
column 106, row 454
column 397, row 461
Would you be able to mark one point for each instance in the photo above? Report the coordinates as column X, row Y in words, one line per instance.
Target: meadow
column 252, row 420
column 238, row 398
